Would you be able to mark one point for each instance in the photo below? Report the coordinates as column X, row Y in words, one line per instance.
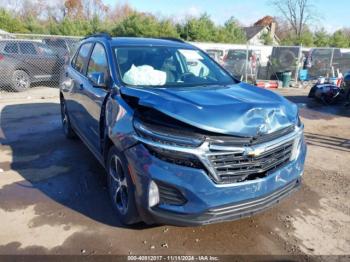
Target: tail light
column 2, row 57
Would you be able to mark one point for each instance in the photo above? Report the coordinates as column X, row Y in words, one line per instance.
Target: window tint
column 98, row 61
column 27, row 48
column 81, row 59
column 11, row 48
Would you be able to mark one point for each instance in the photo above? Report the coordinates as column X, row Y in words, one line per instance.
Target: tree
column 199, row 29
column 298, row 14
column 306, row 38
column 267, row 39
column 138, row 24
column 234, row 31
column 340, row 39
column 321, row 38
column 74, row 9
column 10, row 23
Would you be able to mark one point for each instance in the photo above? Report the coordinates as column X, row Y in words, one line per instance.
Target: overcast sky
column 333, row 14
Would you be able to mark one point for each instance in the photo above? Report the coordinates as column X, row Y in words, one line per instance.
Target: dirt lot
column 53, row 197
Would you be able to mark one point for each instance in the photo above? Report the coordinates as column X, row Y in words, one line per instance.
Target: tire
column 20, row 81
column 121, row 188
column 66, row 125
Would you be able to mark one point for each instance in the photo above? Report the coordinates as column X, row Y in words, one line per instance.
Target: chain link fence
column 28, row 61
column 253, row 63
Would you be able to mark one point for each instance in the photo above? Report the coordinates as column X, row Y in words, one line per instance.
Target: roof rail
column 172, row 39
column 105, row 35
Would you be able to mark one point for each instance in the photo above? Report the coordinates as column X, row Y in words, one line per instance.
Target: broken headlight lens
column 154, row 136
column 165, row 135
column 298, row 121
column 297, row 145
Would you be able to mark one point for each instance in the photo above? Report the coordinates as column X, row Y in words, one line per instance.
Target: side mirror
column 97, row 79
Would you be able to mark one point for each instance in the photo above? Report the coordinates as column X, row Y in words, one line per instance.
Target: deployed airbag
column 144, row 75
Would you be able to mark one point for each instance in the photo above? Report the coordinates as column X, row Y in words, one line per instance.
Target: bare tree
column 298, row 13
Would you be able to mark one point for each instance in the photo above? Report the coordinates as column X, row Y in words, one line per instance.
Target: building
column 257, row 33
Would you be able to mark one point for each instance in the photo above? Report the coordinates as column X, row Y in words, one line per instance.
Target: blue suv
column 182, row 141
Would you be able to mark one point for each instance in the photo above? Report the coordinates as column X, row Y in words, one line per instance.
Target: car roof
column 142, row 41
column 19, row 41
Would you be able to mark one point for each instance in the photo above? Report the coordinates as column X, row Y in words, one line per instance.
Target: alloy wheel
column 119, row 186
column 21, row 81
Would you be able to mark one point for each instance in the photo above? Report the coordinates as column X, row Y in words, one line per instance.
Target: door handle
column 81, row 87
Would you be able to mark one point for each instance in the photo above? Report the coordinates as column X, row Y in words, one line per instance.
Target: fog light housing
column 153, row 194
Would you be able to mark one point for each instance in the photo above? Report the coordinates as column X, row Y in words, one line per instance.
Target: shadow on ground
column 64, row 170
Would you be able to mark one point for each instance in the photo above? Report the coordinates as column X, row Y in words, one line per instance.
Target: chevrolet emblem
column 255, row 152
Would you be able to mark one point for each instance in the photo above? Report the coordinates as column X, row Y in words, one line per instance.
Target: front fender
column 119, row 122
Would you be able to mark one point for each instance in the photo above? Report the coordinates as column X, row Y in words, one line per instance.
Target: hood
column 239, row 109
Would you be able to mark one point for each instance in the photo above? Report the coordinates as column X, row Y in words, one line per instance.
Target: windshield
column 168, row 66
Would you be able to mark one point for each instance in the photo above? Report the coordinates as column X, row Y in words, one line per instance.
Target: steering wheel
column 185, row 75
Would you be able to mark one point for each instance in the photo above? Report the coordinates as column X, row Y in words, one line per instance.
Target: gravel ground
column 53, row 197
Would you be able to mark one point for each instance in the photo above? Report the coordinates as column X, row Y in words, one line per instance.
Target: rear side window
column 82, row 57
column 11, row 48
column 27, row 48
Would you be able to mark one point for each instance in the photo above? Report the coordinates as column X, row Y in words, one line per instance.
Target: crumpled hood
column 238, row 109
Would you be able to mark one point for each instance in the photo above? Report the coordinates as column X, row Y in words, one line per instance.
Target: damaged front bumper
column 190, row 196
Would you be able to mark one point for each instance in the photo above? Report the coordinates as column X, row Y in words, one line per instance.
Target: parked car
column 64, row 47
column 24, row 62
column 179, row 147
column 214, row 55
column 217, row 54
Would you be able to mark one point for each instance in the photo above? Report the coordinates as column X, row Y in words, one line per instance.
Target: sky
column 333, row 14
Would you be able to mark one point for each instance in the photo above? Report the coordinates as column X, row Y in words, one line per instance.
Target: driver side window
column 98, row 64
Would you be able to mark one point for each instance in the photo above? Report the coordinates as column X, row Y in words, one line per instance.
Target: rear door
column 73, row 85
column 49, row 61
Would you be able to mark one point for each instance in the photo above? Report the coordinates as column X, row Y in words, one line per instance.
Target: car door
column 73, row 84
column 93, row 93
column 49, row 61
column 30, row 60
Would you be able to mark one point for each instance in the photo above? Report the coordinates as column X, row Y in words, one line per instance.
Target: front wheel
column 121, row 188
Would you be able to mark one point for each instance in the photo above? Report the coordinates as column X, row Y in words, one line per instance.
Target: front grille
column 249, row 141
column 170, row 195
column 236, row 167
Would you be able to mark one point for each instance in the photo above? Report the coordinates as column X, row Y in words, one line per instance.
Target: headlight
column 156, row 138
column 165, row 135
column 298, row 143
column 298, row 123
